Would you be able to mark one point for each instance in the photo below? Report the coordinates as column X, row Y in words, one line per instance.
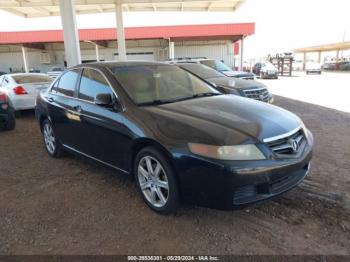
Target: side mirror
column 105, row 100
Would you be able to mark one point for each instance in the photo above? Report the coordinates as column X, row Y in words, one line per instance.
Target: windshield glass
column 202, row 71
column 147, row 84
column 217, row 65
column 269, row 66
column 29, row 79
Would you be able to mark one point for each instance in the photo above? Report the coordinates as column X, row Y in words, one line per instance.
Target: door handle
column 77, row 108
column 50, row 99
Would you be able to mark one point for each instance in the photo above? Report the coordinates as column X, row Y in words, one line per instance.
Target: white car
column 23, row 88
column 313, row 67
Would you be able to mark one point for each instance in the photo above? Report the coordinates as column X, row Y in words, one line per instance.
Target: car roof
column 113, row 64
column 29, row 74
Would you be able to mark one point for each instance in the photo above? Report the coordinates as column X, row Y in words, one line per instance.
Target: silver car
column 23, row 88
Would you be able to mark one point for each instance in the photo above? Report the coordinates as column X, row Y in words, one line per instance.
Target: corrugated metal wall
column 222, row 50
column 211, row 49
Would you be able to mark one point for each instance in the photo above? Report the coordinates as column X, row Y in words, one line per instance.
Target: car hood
column 220, row 120
column 237, row 73
column 235, row 83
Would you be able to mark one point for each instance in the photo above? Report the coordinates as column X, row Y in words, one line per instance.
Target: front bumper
column 234, row 184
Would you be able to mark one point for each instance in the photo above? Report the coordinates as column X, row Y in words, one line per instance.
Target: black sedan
column 7, row 114
column 180, row 138
column 229, row 85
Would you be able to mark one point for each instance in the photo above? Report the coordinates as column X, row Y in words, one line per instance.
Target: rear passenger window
column 92, row 83
column 66, row 84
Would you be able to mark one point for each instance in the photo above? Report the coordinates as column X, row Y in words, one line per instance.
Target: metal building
column 42, row 50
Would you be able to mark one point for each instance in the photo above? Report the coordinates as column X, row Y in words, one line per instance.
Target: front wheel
column 52, row 145
column 156, row 181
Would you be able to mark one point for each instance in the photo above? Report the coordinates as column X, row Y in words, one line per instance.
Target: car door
column 102, row 131
column 62, row 107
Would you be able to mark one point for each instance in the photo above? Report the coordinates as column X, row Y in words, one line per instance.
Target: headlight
column 238, row 152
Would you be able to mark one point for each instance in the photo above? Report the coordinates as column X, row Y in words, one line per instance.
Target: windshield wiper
column 205, row 94
column 161, row 101
column 154, row 102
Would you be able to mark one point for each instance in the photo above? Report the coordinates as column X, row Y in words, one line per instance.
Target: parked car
column 177, row 136
column 313, row 67
column 55, row 72
column 344, row 66
column 228, row 85
column 265, row 70
column 7, row 114
column 218, row 66
column 329, row 66
column 22, row 89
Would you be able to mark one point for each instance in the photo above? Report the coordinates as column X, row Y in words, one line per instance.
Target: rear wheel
column 156, row 181
column 10, row 124
column 52, row 145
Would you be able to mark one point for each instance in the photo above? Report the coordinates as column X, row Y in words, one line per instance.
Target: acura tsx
column 178, row 137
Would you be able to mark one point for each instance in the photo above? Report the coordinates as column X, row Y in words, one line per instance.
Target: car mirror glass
column 105, row 100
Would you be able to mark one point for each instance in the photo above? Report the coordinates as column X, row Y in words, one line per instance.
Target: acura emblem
column 261, row 97
column 294, row 144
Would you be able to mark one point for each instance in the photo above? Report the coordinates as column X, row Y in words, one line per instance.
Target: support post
column 120, row 31
column 70, row 33
column 171, row 49
column 25, row 61
column 337, row 56
column 319, row 57
column 97, row 53
column 241, row 53
column 304, row 60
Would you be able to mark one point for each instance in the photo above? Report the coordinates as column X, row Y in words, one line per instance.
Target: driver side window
column 92, row 83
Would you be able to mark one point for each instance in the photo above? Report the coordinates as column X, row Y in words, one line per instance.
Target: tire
column 10, row 124
column 18, row 113
column 52, row 145
column 160, row 191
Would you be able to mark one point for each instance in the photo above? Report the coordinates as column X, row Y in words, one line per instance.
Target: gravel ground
column 74, row 206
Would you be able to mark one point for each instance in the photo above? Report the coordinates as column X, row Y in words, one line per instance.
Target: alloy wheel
column 49, row 138
column 153, row 181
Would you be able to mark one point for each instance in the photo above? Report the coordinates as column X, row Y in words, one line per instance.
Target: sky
column 280, row 25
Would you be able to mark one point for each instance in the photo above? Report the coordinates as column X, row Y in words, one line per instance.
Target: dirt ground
column 74, row 206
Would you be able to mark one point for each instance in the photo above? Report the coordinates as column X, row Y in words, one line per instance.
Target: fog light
column 4, row 106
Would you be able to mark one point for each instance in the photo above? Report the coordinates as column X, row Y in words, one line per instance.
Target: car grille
column 288, row 145
column 252, row 193
column 248, row 77
column 260, row 94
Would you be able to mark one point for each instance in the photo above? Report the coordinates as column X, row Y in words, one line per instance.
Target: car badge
column 294, row 144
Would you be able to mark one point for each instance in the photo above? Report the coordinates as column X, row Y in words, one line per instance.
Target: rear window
column 28, row 79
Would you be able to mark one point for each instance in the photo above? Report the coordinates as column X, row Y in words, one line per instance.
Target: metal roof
column 175, row 33
column 42, row 8
column 328, row 47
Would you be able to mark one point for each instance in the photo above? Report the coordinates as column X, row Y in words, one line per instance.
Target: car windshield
column 29, row 79
column 217, row 65
column 157, row 84
column 202, row 71
column 269, row 66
